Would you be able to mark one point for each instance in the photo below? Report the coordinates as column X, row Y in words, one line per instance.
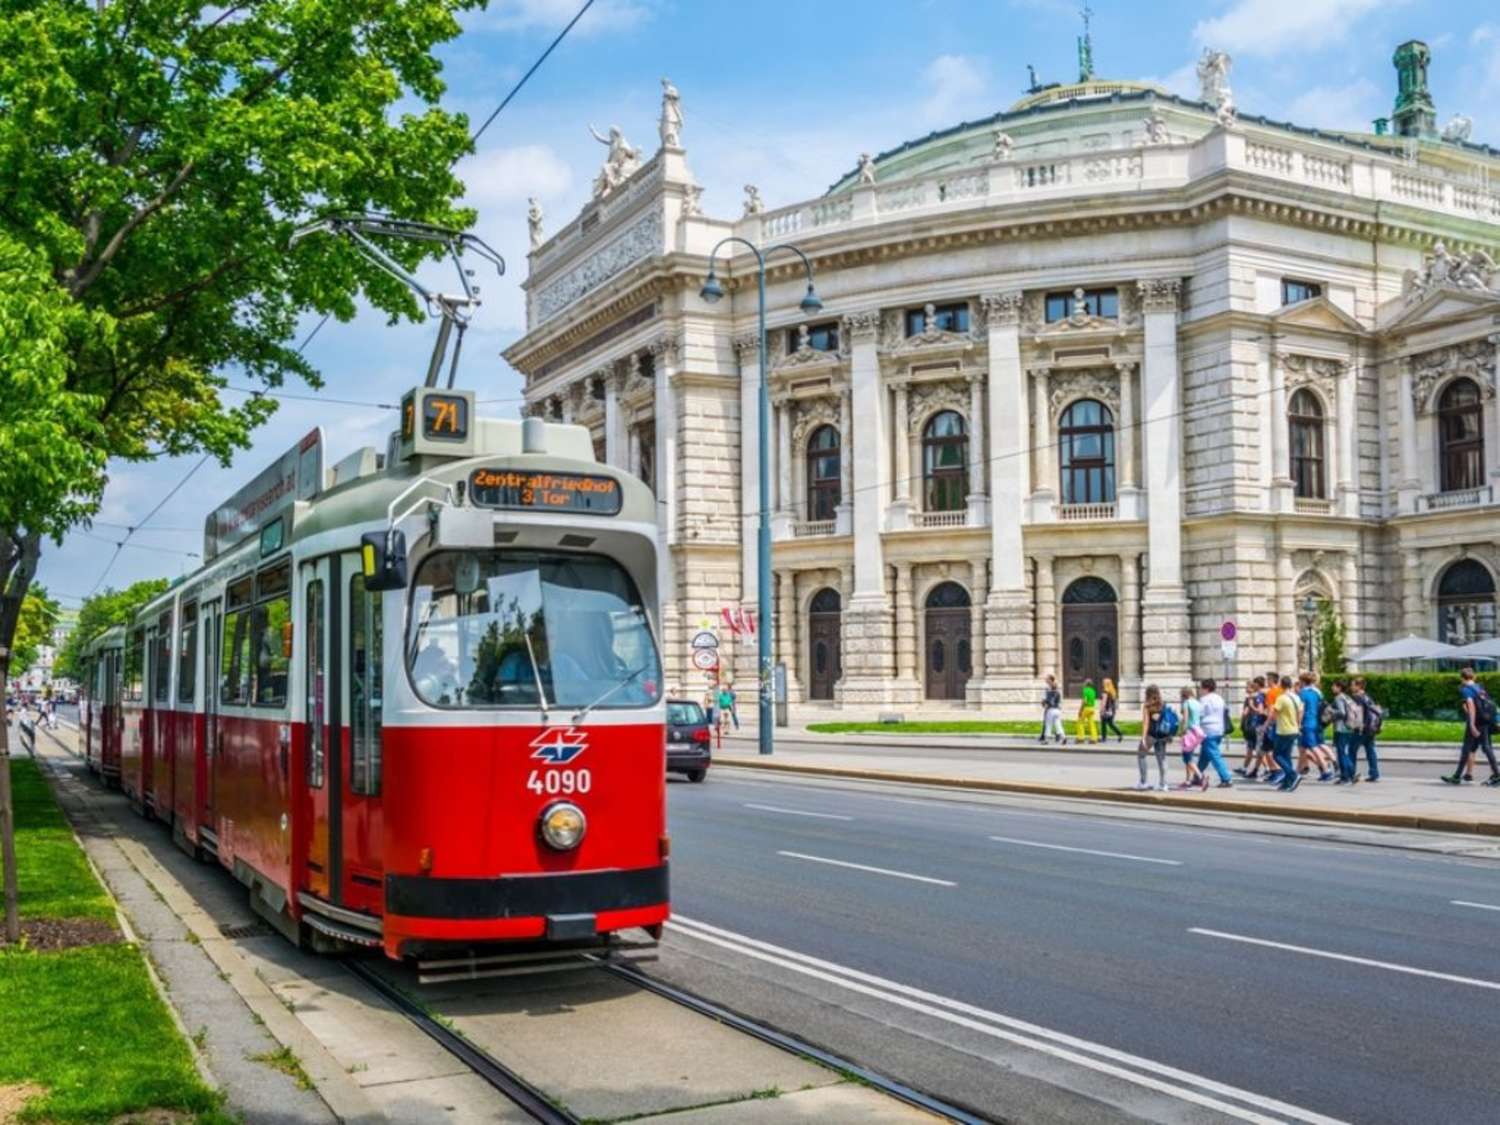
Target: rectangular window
column 271, row 635
column 161, row 660
column 1096, row 302
column 365, row 694
column 316, row 684
column 1294, row 291
column 135, row 644
column 234, row 652
column 187, row 654
column 820, row 337
column 945, row 318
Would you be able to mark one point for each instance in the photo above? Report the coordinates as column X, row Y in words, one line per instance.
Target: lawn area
column 85, row 1023
column 1394, row 730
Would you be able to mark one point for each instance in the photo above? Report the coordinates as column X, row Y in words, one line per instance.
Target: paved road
column 988, row 932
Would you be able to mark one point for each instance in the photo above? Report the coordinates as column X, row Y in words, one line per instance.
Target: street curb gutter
column 1127, row 797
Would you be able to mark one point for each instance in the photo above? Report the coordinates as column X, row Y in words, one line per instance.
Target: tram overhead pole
column 712, row 292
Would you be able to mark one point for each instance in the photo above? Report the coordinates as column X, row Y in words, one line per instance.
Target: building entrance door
column 949, row 651
column 824, row 623
column 1090, row 632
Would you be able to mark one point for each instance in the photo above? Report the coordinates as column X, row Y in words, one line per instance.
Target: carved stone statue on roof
column 670, row 125
column 753, row 203
column 534, row 221
column 1156, row 128
column 1458, row 128
column 1213, row 77
column 866, row 169
column 620, row 162
column 1005, row 145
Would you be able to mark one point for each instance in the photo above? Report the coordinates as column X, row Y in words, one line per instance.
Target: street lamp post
column 711, row 292
column 1310, row 616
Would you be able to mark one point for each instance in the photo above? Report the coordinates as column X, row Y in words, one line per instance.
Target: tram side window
column 271, row 634
column 135, row 644
column 366, row 630
column 234, row 651
column 161, row 660
column 187, row 654
column 316, row 684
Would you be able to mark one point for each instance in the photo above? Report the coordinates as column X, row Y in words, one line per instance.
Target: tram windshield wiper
column 578, row 716
column 541, row 692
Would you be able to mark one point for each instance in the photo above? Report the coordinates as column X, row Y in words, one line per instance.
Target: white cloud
column 504, row 176
column 1265, row 27
column 551, row 15
column 956, row 85
column 1183, row 81
column 1352, row 106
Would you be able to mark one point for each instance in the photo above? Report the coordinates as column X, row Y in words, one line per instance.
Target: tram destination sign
column 296, row 475
column 524, row 490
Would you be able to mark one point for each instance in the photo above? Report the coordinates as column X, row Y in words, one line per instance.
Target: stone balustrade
column 928, row 520
column 1076, row 513
column 811, row 529
column 1311, row 506
column 1463, row 498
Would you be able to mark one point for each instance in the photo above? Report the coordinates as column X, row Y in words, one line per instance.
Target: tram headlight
column 563, row 825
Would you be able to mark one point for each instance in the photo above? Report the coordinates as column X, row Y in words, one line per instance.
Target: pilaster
column 1492, row 393
column 781, row 516
column 615, row 442
column 1286, row 610
column 666, row 351
column 1161, row 396
column 788, row 635
column 1349, row 600
column 979, row 628
column 1043, row 494
column 978, row 454
column 1046, row 617
column 1130, row 616
column 1010, row 468
column 1348, row 491
column 871, row 484
column 1128, row 494
column 906, row 632
column 1281, row 459
column 1409, row 482
column 843, row 513
column 747, row 350
column 899, row 515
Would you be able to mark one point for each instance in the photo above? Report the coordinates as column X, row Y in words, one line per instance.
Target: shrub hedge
column 1418, row 695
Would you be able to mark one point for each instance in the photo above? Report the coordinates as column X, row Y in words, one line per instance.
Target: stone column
column 1287, row 656
column 1281, row 461
column 906, row 633
column 843, row 512
column 868, row 621
column 1165, row 623
column 979, row 596
column 1492, row 443
column 787, row 633
column 1044, row 484
column 900, row 512
column 747, row 349
column 1348, row 427
column 615, row 441
column 1413, row 604
column 782, row 518
column 1349, row 600
column 978, row 454
column 667, row 350
column 1046, row 619
column 1009, row 636
column 1130, row 612
column 1410, row 483
column 1129, row 506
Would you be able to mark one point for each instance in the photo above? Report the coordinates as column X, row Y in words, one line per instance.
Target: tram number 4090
column 555, row 782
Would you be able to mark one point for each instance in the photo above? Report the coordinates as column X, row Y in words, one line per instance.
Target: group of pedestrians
column 1200, row 727
column 1097, row 713
column 1281, row 715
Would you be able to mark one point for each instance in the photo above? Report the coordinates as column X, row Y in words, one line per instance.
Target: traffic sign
column 705, row 658
column 1230, row 648
column 1227, row 632
column 705, row 639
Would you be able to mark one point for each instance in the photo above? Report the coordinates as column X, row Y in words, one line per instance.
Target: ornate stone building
column 1092, row 377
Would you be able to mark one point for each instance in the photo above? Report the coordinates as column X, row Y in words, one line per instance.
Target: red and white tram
column 457, row 741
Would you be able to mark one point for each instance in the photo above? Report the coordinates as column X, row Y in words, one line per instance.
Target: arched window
column 825, row 600
column 1086, row 452
column 1305, row 417
column 945, row 455
column 948, row 595
column 822, row 473
column 1466, row 603
column 1461, row 436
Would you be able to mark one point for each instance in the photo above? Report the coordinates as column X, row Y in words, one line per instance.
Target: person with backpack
column 1479, row 722
column 1315, row 718
column 1348, row 728
column 1373, row 716
column 1214, row 717
column 1192, row 736
column 1052, row 722
column 1154, row 737
column 1288, row 723
column 1109, row 707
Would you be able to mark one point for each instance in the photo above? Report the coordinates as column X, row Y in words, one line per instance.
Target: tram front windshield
column 496, row 628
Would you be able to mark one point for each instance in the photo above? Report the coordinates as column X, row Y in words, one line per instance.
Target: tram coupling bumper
column 570, row 927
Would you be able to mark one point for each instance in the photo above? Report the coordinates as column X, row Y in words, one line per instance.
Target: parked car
column 688, row 739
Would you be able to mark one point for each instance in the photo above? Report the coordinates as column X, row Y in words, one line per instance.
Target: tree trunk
column 16, row 570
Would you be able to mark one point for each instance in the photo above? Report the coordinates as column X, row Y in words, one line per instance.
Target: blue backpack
column 1166, row 726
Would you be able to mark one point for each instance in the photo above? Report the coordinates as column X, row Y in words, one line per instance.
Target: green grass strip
column 1394, row 730
column 55, row 879
column 88, row 1025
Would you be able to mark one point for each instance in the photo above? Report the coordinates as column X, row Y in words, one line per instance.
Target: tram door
column 316, row 724
column 356, row 823
column 211, row 615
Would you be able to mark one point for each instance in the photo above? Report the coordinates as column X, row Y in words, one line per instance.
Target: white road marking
column 1474, row 905
column 797, row 812
column 1085, row 851
column 1158, row 1076
column 1366, row 961
column 865, row 867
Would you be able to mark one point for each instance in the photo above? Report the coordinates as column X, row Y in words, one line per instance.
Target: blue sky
column 783, row 95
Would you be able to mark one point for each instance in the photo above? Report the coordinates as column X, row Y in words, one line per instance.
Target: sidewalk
column 1109, row 774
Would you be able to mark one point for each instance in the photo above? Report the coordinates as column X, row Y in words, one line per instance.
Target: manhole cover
column 244, row 929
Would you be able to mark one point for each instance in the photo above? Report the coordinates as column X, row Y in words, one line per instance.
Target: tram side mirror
column 384, row 566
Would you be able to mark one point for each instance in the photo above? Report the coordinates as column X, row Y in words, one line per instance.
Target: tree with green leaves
column 39, row 614
column 1330, row 633
column 98, row 613
column 156, row 157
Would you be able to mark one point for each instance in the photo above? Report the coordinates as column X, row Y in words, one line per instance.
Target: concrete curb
column 1129, row 797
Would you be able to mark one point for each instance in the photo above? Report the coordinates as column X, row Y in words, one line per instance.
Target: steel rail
column 785, row 1042
column 532, row 1100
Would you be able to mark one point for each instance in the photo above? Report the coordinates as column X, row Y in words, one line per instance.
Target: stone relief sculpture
column 866, row 169
column 1226, row 115
column 692, row 201
column 1458, row 128
column 1475, row 270
column 534, row 221
column 620, row 162
column 1005, row 145
column 670, row 125
column 753, row 203
column 1213, row 77
column 1156, row 128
